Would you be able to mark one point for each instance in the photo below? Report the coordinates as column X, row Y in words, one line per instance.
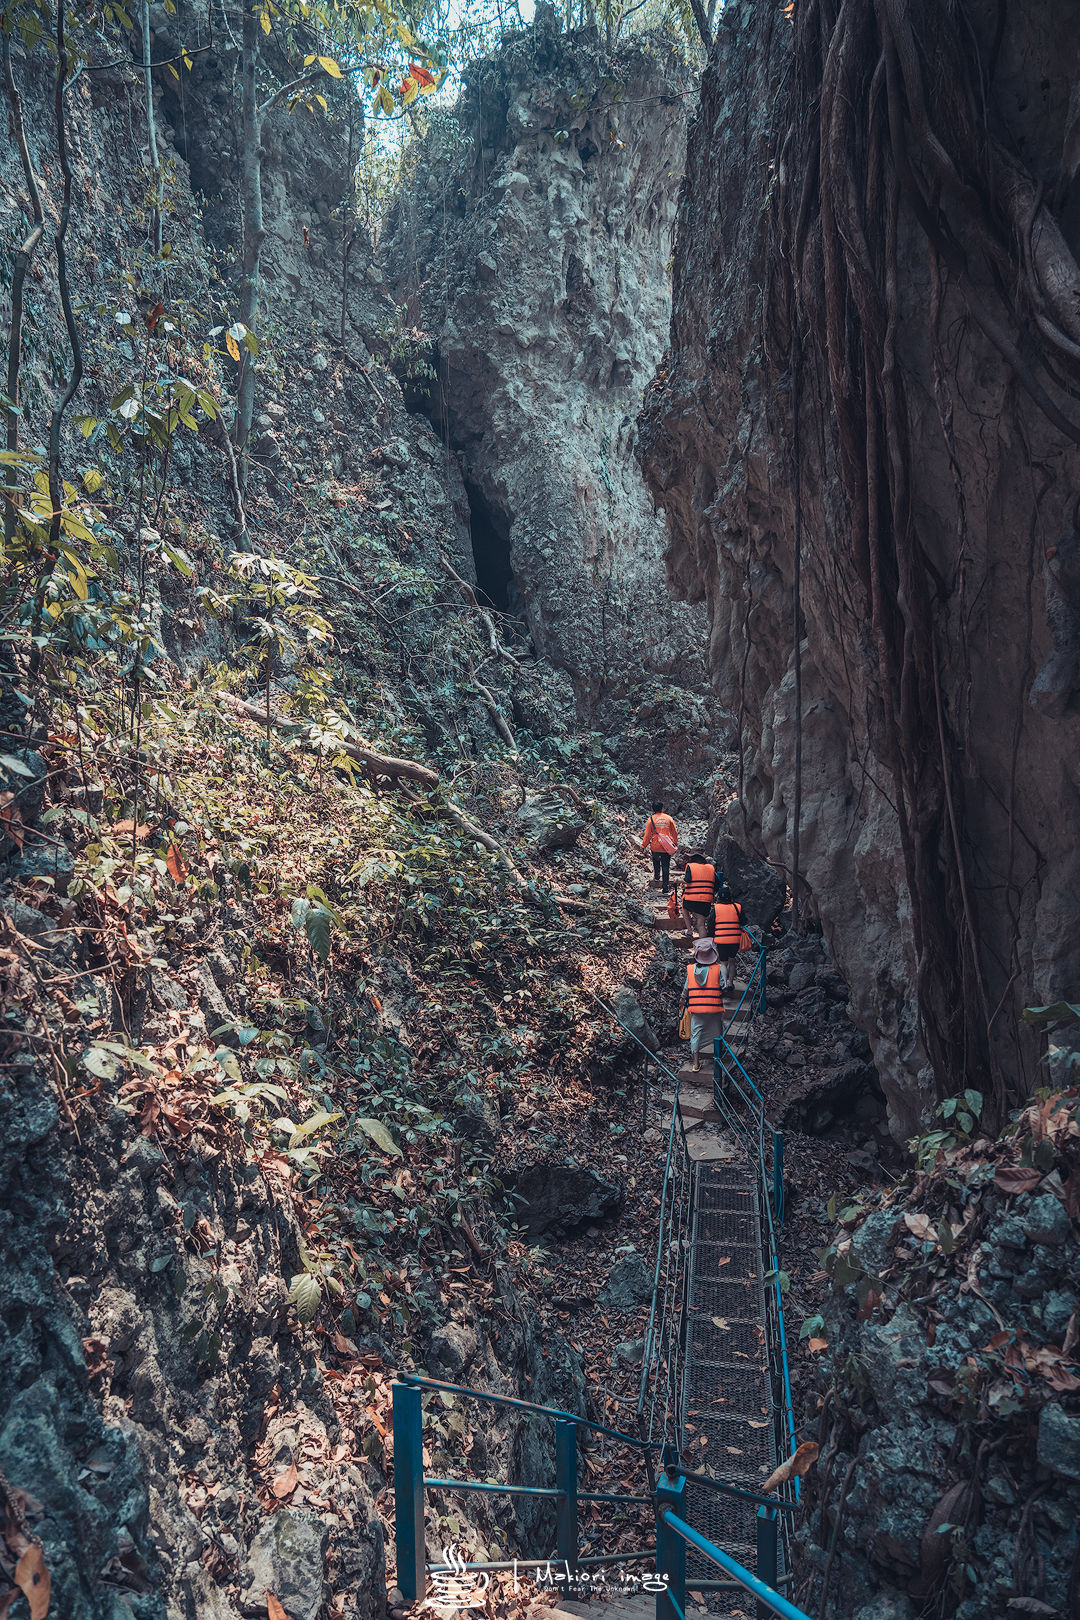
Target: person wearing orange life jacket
column 704, row 994
column 724, row 925
column 700, row 881
column 661, row 839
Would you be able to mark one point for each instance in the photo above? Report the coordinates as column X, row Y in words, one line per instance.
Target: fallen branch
column 492, row 708
column 379, row 764
column 470, row 596
column 452, row 813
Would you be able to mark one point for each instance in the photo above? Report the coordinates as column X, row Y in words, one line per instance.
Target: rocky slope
column 534, row 245
column 178, row 1436
column 993, row 488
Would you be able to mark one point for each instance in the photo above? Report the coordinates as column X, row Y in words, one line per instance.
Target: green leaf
column 812, row 1328
column 306, row 1295
column 1044, row 1015
column 315, row 1123
column 162, row 1262
column 101, row 1063
column 317, row 928
column 227, row 1060
column 380, row 1136
column 11, row 762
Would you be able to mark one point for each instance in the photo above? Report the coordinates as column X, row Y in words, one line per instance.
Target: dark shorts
column 726, row 952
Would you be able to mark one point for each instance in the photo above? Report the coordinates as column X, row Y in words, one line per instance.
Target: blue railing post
column 566, row 1541
column 778, row 1176
column 766, row 1554
column 409, row 1492
column 670, row 1546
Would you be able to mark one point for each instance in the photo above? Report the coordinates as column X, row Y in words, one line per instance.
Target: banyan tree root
column 888, row 117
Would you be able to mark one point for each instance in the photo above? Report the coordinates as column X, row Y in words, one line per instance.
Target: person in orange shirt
column 661, row 839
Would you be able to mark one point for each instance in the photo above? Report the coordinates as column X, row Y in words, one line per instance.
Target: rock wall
column 535, row 242
column 716, row 448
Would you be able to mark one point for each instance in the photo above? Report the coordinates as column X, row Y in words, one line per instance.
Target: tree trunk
column 18, row 276
column 151, row 131
column 254, row 234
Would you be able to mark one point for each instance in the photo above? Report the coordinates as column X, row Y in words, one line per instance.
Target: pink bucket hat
column 705, row 950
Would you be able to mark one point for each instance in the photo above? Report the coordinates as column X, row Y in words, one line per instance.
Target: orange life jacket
column 727, row 929
column 709, row 997
column 698, row 884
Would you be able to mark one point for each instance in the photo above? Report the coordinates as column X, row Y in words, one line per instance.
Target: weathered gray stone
column 1045, row 1220
column 631, row 1352
column 288, row 1558
column 1059, row 1441
column 629, row 1284
column 801, row 976
column 549, row 821
column 453, row 1346
column 626, row 1007
column 758, row 887
column 144, row 1156
column 869, row 1243
column 52, row 861
column 552, row 1199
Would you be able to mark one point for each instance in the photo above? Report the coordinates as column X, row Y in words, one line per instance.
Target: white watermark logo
column 459, row 1587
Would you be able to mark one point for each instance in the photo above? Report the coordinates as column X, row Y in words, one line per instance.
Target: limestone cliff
column 990, row 490
column 535, row 243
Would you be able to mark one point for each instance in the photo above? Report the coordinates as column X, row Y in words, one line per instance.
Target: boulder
column 758, row 887
column 629, row 1013
column 1059, row 1441
column 288, row 1558
column 629, row 1284
column 52, row 860
column 548, row 821
column 453, row 1346
column 1045, row 1220
column 631, row 1353
column 552, row 1199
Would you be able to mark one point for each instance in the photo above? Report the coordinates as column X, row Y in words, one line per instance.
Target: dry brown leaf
column 285, row 1483
column 274, row 1609
column 1012, row 1179
column 816, row 1346
column 175, row 862
column 920, row 1227
column 96, row 1352
column 11, row 819
column 803, row 1459
column 33, row 1580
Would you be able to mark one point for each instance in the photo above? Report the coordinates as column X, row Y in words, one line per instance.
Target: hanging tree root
column 888, row 116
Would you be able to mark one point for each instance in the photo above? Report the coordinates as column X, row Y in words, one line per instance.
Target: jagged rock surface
column 535, row 244
column 716, row 449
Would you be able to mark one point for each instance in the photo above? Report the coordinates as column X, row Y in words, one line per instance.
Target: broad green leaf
column 328, row 65
column 380, row 1136
column 227, row 1060
column 306, row 1295
column 315, row 1123
column 317, row 928
column 10, row 762
column 92, row 479
column 101, row 1063
column 1044, row 1015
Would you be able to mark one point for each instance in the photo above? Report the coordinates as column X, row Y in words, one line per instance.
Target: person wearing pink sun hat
column 704, row 995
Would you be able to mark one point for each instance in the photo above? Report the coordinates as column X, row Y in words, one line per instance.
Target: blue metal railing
column 668, row 1498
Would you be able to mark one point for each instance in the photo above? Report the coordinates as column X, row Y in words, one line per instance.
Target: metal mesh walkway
column 727, row 1404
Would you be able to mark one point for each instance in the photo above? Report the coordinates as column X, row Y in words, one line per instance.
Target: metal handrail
column 424, row 1382
column 730, row 1490
column 766, row 1594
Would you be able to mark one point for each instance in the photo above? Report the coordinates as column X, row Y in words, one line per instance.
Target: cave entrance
column 490, row 528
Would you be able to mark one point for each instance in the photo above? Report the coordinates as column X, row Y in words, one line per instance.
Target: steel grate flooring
column 727, row 1403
